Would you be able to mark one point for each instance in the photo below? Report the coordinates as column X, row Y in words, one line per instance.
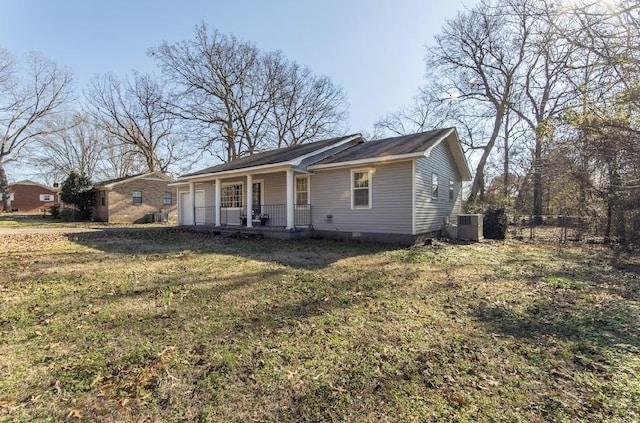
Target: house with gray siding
column 398, row 189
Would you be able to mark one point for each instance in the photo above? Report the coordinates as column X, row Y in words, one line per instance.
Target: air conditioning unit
column 470, row 227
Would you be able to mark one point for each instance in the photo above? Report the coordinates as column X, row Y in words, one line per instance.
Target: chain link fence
column 555, row 228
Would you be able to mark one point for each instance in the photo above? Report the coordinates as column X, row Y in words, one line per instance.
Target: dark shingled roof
column 124, row 178
column 280, row 155
column 395, row 146
column 111, row 181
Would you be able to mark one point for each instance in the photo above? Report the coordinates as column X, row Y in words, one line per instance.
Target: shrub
column 55, row 211
column 495, row 223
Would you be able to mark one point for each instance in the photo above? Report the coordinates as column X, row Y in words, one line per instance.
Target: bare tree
column 26, row 104
column 74, row 145
column 246, row 100
column 542, row 86
column 473, row 63
column 305, row 106
column 119, row 160
column 429, row 110
column 133, row 112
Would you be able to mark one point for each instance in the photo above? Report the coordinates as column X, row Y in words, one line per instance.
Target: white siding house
column 397, row 190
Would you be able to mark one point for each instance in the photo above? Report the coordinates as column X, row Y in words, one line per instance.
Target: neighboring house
column 135, row 199
column 31, row 197
column 396, row 190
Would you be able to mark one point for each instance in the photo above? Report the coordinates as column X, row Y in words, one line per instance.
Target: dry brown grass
column 173, row 326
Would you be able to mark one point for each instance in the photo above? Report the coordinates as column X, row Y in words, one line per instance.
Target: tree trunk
column 4, row 188
column 537, row 178
column 478, row 181
column 505, row 169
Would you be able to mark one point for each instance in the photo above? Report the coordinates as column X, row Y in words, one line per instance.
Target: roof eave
column 272, row 166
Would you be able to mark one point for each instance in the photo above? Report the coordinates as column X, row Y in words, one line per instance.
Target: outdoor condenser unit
column 470, row 227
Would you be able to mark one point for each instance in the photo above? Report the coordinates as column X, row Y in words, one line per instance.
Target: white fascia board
column 370, row 160
column 458, row 156
column 299, row 160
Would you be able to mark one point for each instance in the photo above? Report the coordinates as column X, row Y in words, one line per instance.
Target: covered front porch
column 261, row 216
column 274, row 200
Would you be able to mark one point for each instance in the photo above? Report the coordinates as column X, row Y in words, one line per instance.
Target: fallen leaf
column 74, row 413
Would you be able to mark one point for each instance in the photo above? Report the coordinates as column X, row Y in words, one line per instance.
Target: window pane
column 360, row 179
column 360, row 197
column 451, row 186
column 301, row 184
column 231, row 196
column 166, row 198
column 137, row 197
column 434, row 185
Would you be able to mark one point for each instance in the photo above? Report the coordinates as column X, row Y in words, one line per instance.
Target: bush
column 55, row 211
column 495, row 223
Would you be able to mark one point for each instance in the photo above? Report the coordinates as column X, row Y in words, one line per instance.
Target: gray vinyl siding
column 430, row 212
column 274, row 187
column 390, row 210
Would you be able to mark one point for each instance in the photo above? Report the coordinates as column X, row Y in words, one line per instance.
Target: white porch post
column 192, row 199
column 218, row 200
column 249, row 201
column 290, row 200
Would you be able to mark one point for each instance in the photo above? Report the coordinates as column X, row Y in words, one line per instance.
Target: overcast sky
column 373, row 49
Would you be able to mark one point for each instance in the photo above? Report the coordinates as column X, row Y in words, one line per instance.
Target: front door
column 257, row 199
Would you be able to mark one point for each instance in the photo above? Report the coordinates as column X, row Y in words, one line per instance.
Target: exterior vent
column 470, row 227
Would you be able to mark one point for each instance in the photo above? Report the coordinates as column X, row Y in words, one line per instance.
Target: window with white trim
column 361, row 189
column 434, row 185
column 302, row 190
column 451, row 187
column 46, row 197
column 137, row 197
column 231, row 196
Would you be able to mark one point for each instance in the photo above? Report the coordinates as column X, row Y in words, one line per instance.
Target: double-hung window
column 137, row 197
column 231, row 196
column 361, row 189
column 302, row 190
column 167, row 198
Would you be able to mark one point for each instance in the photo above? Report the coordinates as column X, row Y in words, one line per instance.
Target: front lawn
column 176, row 326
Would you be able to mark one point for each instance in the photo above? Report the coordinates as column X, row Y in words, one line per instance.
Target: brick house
column 31, row 197
column 135, row 199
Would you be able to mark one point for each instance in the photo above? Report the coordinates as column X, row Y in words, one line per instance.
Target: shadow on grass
column 590, row 300
column 603, row 326
column 306, row 254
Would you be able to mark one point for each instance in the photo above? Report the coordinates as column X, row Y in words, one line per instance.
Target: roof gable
column 400, row 147
column 117, row 181
column 390, row 147
column 28, row 182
